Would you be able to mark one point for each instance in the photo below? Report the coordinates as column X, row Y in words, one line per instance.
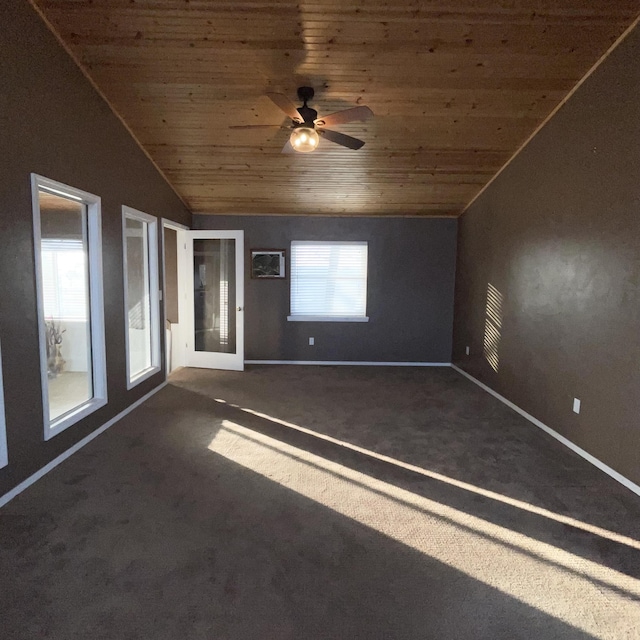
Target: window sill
column 141, row 376
column 328, row 318
column 67, row 420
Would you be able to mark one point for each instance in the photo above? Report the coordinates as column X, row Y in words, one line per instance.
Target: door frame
column 186, row 302
column 177, row 349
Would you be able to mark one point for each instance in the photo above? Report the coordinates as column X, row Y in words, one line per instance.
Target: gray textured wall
column 53, row 123
column 558, row 234
column 410, row 290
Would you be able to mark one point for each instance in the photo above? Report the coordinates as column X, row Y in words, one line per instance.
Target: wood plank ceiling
column 456, row 87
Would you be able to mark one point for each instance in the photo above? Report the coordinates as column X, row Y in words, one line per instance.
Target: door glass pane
column 214, row 278
column 65, row 287
column 138, row 296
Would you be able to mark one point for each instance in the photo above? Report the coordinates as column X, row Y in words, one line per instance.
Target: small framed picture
column 267, row 263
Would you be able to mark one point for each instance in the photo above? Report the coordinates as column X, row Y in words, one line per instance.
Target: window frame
column 322, row 318
column 99, row 399
column 154, row 297
column 4, row 454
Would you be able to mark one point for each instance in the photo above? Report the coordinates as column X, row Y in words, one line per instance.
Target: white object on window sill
column 328, row 318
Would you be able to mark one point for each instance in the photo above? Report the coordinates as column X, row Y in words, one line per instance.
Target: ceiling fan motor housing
column 307, row 114
column 305, row 94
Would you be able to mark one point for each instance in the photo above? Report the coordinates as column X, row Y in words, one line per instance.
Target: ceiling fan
column 307, row 127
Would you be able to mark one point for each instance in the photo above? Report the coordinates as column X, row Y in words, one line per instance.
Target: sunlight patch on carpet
column 584, row 594
column 513, row 502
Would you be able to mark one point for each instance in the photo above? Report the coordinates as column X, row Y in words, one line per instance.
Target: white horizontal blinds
column 329, row 279
column 64, row 279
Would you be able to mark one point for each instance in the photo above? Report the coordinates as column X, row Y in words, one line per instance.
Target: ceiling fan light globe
column 304, row 139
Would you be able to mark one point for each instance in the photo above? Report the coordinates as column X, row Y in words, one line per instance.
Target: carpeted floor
column 321, row 503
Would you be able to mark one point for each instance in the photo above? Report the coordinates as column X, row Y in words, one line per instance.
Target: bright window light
column 64, row 268
column 68, row 251
column 141, row 295
column 329, row 281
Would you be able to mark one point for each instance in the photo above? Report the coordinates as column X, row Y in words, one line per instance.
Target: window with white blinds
column 329, row 281
column 64, row 279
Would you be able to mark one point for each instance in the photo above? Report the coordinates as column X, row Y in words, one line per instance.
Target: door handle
column 239, row 308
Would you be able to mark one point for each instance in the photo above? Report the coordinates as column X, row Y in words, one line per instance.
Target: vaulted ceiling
column 456, row 87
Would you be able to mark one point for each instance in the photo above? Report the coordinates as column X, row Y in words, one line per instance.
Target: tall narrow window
column 329, row 281
column 67, row 235
column 141, row 295
column 3, row 432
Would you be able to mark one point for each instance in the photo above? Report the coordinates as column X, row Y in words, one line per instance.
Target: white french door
column 214, row 301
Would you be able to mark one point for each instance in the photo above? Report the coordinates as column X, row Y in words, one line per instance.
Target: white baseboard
column 10, row 495
column 351, row 363
column 632, row 486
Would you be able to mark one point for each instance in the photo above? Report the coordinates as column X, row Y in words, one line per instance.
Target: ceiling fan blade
column 281, row 101
column 341, row 139
column 343, row 117
column 288, row 148
column 257, row 126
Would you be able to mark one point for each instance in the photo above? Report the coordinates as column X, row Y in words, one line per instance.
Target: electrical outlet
column 312, row 341
column 576, row 405
column 467, row 350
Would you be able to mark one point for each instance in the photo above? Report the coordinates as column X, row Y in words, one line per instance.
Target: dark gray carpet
column 320, row 503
